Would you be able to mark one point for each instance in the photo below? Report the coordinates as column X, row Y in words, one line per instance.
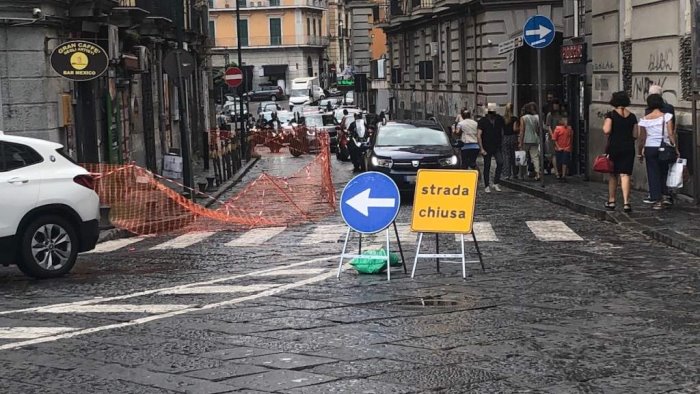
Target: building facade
column 636, row 44
column 128, row 114
column 339, row 44
column 280, row 39
column 444, row 55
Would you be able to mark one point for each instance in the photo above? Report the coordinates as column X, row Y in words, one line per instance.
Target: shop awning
column 274, row 69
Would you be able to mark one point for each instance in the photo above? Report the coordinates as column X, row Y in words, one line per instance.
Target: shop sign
column 79, row 60
column 573, row 53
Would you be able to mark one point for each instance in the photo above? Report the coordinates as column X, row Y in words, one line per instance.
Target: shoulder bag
column 667, row 152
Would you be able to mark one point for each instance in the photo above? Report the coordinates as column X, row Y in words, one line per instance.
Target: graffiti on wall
column 661, row 60
column 641, row 84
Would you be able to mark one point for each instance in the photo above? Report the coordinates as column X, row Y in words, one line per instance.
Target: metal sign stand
column 437, row 255
column 344, row 256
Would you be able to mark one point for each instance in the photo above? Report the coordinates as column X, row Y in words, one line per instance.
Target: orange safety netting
column 145, row 203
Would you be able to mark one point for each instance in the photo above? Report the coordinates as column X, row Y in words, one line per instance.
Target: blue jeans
column 657, row 172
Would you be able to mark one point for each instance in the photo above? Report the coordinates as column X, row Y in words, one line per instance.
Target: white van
column 305, row 91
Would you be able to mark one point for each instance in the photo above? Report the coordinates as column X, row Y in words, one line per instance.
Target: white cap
column 491, row 107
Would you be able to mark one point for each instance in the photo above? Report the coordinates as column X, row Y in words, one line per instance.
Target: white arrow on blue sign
column 539, row 31
column 370, row 202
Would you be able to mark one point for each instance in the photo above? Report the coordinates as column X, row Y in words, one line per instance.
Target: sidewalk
column 677, row 226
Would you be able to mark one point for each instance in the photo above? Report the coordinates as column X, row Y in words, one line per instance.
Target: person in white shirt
column 656, row 134
column 466, row 131
column 357, row 132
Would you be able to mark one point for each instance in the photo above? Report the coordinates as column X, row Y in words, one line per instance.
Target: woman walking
column 530, row 135
column 620, row 126
column 510, row 143
column 657, row 135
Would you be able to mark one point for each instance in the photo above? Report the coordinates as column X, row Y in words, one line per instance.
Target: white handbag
column 520, row 158
column 675, row 174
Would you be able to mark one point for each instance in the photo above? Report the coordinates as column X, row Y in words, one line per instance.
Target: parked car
column 232, row 109
column 349, row 98
column 334, row 92
column 399, row 149
column 267, row 106
column 334, row 102
column 265, row 92
column 325, row 122
column 50, row 211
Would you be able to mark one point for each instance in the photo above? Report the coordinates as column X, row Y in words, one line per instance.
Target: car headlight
column 379, row 162
column 449, row 161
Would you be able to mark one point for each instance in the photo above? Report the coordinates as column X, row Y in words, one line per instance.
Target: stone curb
column 117, row 233
column 668, row 237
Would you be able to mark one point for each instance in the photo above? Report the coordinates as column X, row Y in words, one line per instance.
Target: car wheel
column 48, row 247
column 273, row 98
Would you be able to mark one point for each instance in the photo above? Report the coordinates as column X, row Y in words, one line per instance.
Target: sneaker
column 648, row 200
column 487, row 189
column 667, row 200
column 657, row 206
column 497, row 188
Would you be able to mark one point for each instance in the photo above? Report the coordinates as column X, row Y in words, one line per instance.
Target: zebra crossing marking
column 114, row 308
column 483, row 232
column 552, row 231
column 325, row 233
column 256, row 236
column 111, row 246
column 184, row 240
column 220, row 289
column 31, row 332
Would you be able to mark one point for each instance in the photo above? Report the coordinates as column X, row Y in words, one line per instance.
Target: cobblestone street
column 566, row 304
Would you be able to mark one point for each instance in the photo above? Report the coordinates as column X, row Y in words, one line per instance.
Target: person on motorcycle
column 358, row 135
column 274, row 122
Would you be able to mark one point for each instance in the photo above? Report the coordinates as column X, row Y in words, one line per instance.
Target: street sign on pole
column 539, row 33
column 233, row 77
column 507, row 46
column 181, row 58
column 370, row 202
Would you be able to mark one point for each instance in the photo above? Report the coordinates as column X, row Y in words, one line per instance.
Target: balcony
column 271, row 41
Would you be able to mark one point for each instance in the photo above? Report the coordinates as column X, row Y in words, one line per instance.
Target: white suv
column 49, row 210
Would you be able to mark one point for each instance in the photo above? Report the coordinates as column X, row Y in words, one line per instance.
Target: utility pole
column 184, row 119
column 244, row 134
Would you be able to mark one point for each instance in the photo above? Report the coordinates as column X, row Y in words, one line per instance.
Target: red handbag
column 603, row 164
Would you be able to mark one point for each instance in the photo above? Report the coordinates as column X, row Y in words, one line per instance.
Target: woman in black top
column 621, row 128
column 510, row 143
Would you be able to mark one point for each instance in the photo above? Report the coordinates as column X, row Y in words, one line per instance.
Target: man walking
column 490, row 137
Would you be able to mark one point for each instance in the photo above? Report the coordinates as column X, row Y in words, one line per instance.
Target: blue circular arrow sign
column 370, row 202
column 539, row 31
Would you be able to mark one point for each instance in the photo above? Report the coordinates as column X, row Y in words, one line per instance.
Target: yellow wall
column 259, row 26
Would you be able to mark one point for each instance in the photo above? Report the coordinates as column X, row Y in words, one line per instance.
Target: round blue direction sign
column 370, row 202
column 539, row 31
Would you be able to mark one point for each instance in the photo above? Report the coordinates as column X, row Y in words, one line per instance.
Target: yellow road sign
column 444, row 201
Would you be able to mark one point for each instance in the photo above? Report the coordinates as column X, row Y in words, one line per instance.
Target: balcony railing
column 267, row 41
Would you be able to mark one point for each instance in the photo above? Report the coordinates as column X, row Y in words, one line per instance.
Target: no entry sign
column 233, row 77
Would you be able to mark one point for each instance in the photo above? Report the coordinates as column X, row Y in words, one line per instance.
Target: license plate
column 410, row 179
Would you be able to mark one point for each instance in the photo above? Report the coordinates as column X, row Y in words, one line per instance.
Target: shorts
column 563, row 158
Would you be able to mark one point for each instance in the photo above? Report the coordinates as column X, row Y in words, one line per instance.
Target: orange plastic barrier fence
column 145, row 203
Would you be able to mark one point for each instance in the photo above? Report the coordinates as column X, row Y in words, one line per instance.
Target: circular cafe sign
column 79, row 60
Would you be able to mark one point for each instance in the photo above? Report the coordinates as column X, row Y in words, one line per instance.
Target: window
column 448, row 54
column 242, row 3
column 275, row 31
column 274, row 3
column 243, row 32
column 211, row 3
column 14, row 156
column 308, row 26
column 309, row 67
column 212, row 30
column 314, row 23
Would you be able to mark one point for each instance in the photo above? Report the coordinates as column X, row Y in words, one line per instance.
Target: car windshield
column 411, row 136
column 300, row 92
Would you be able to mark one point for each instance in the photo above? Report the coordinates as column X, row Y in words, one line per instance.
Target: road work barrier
column 146, row 203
